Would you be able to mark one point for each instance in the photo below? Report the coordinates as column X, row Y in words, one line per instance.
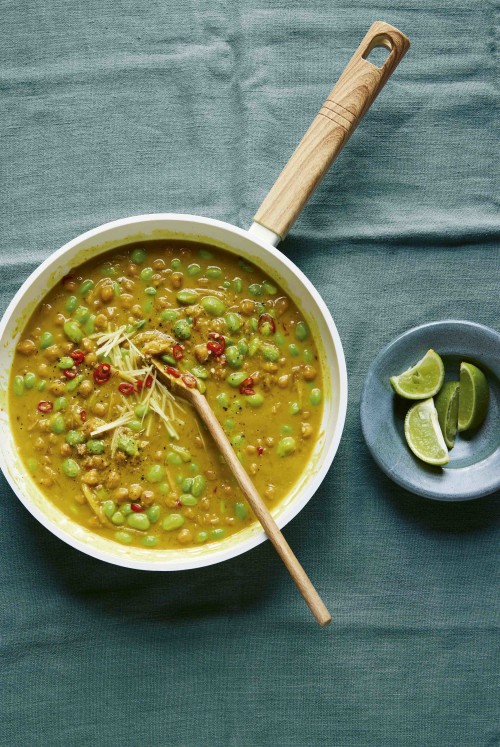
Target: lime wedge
column 421, row 381
column 423, row 433
column 447, row 410
column 474, row 397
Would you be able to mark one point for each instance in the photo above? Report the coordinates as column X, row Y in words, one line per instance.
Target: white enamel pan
column 347, row 103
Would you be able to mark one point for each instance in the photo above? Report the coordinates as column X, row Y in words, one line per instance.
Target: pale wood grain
column 355, row 91
column 205, row 412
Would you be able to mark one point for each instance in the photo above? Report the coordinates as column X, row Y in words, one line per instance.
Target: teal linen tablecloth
column 110, row 109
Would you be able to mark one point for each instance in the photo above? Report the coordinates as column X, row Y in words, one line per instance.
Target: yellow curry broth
column 86, row 410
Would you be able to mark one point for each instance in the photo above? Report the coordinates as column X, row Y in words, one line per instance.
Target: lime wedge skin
column 423, row 434
column 447, row 410
column 474, row 397
column 421, row 381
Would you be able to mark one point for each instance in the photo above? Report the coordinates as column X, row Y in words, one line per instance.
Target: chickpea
column 156, row 280
column 85, row 389
column 281, row 305
column 189, row 512
column 43, row 370
column 203, row 282
column 184, row 536
column 210, row 474
column 126, row 284
column 120, row 457
column 270, row 492
column 171, row 500
column 57, row 388
column 113, row 480
column 269, row 441
column 99, row 409
column 201, row 353
column 69, row 285
column 126, row 300
column 59, row 320
column 91, row 359
column 227, row 489
column 134, row 491
column 283, row 381
column 253, row 469
column 106, row 292
column 94, row 522
column 96, row 462
column 67, row 347
column 205, row 504
column 306, row 415
column 147, row 497
column 251, row 449
column 270, row 367
column 198, row 442
column 91, row 478
column 306, row 430
column 121, row 495
column 176, row 280
column 39, row 444
column 163, row 302
column 26, row 347
column 137, row 311
column 229, row 520
column 159, row 264
column 309, row 373
column 100, row 322
column 52, row 353
column 111, row 311
column 132, row 270
column 247, row 307
column 65, row 450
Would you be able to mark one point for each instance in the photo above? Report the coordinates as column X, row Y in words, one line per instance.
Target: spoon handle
column 301, row 579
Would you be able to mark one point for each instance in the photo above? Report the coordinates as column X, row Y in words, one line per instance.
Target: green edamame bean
column 176, row 264
column 236, row 407
column 32, row 465
column 252, row 324
column 205, row 254
column 187, row 484
column 153, row 513
column 286, row 446
column 254, row 400
column 301, row 331
column 46, row 340
column 147, row 273
column 238, row 440
column 253, row 346
column 126, row 509
column 256, row 289
column 238, row 285
column 155, row 473
column 66, row 362
column 234, row 357
column 168, row 315
column 242, row 346
column 270, row 352
column 193, row 270
column 223, row 399
column 188, row 500
column 135, row 425
column 182, row 330
column 169, row 360
column 147, row 306
column 199, row 486
column 124, row 537
column 60, row 404
column 173, row 521
column 74, row 437
column 236, row 378
column 315, row 397
column 86, row 287
column 90, row 325
column 200, row 372
column 233, row 321
column 72, row 385
column 81, row 314
column 201, row 536
column 94, row 446
column 229, row 424
column 42, row 385
column 71, row 304
column 108, row 508
column 73, row 331
column 138, row 256
column 194, row 468
column 29, row 380
column 127, row 444
column 293, row 350
column 240, row 511
column 138, row 521
column 270, row 288
column 118, row 518
column 294, row 408
column 217, row 534
column 279, row 339
column 213, row 272
column 286, row 429
column 308, row 356
column 213, row 306
column 18, row 385
column 187, row 297
column 70, row 468
column 173, row 458
column 149, row 540
column 150, row 291
column 184, row 454
column 57, row 424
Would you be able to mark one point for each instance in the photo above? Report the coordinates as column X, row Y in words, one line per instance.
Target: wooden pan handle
column 355, row 91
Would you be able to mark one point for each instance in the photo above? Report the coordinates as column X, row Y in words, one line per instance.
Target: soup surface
column 109, row 444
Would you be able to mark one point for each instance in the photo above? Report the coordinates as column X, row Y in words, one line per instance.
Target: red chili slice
column 260, row 450
column 217, row 344
column 102, row 373
column 126, row 388
column 45, row 406
column 136, row 507
column 78, row 356
column 263, row 318
column 173, row 372
column 70, row 373
column 246, row 386
column 178, row 352
column 148, row 381
column 83, row 415
column 189, row 381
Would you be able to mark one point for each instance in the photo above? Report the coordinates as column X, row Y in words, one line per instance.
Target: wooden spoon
column 203, row 409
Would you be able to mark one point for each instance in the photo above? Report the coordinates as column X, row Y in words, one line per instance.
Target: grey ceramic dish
column 474, row 467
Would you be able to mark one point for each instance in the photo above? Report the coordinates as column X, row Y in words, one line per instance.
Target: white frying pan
column 357, row 88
